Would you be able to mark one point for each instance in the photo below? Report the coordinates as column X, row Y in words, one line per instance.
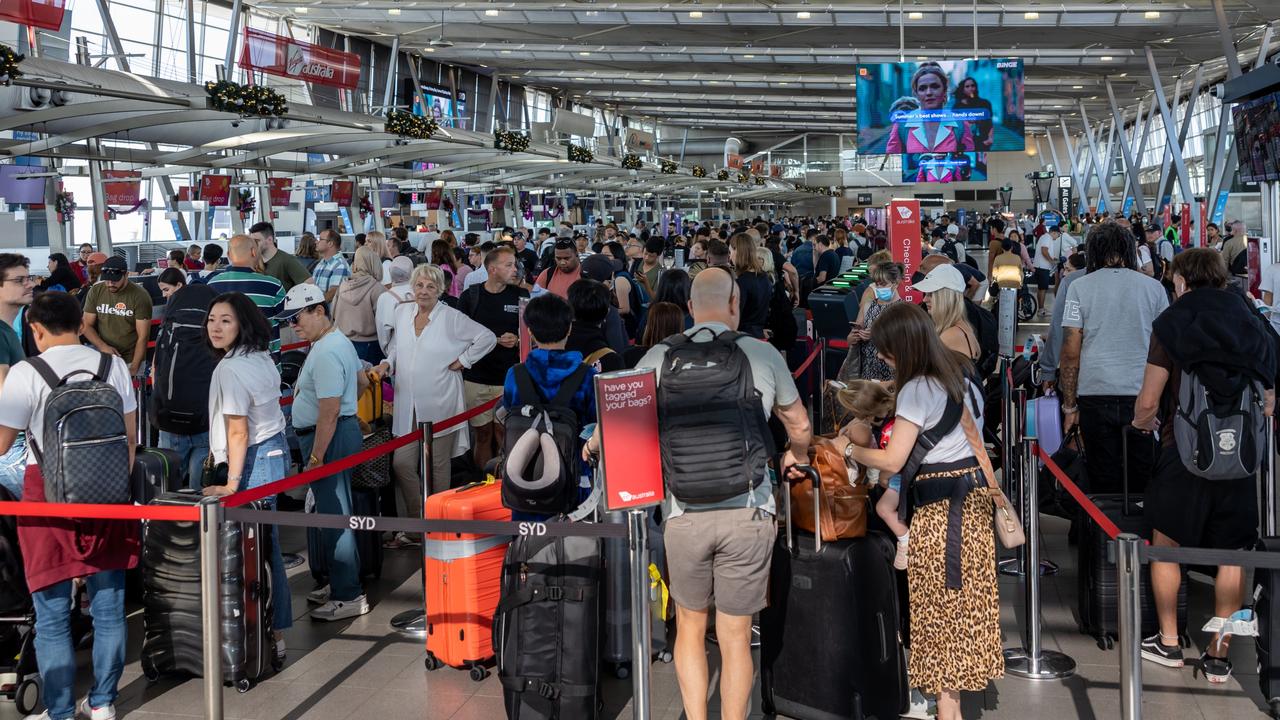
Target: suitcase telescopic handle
column 816, row 480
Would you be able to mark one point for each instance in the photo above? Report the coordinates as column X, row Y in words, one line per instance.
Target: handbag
column 844, row 501
column 373, row 474
column 1008, row 524
column 212, row 472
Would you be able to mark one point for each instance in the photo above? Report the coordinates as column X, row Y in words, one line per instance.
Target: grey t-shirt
column 777, row 389
column 1053, row 341
column 1115, row 307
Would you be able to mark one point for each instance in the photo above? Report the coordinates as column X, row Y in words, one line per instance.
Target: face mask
column 884, row 294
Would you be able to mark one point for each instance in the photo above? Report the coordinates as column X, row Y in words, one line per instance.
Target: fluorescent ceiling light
column 1077, row 87
column 584, row 53
column 1106, row 58
column 428, row 49
column 803, row 15
column 491, row 12
column 506, row 52
column 1030, row 16
column 393, row 11
column 922, row 57
column 1151, row 14
column 695, row 14
column 302, row 11
column 748, row 55
column 915, row 16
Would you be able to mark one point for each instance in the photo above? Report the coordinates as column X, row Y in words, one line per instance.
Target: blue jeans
column 333, row 496
column 264, row 463
column 192, row 449
column 13, row 466
column 369, row 351
column 55, row 655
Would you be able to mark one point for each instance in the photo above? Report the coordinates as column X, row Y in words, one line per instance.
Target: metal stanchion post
column 638, row 533
column 413, row 623
column 1129, row 568
column 1032, row 661
column 211, row 605
column 1269, row 481
column 822, row 377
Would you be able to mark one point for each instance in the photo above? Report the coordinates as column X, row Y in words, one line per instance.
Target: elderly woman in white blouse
column 430, row 345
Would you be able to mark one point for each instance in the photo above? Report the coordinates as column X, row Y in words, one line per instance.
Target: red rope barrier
column 294, row 346
column 459, row 419
column 1089, row 507
column 100, row 512
column 838, row 344
column 807, row 362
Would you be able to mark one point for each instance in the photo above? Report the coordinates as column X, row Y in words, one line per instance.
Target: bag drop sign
column 904, row 243
column 630, row 457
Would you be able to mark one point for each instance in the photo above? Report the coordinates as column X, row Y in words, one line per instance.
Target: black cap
column 115, row 268
column 598, row 267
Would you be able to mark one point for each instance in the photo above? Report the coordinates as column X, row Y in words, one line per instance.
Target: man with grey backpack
column 1208, row 389
column 77, row 408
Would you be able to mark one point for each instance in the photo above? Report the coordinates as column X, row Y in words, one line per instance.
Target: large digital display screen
column 1257, row 128
column 944, row 167
column 440, row 105
column 941, row 106
column 22, row 191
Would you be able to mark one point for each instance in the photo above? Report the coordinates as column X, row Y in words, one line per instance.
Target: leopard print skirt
column 955, row 633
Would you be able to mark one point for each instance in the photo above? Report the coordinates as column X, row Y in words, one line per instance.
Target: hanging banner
column 733, row 162
column 1220, row 207
column 757, row 167
column 280, row 191
column 1166, row 215
column 1127, row 206
column 1204, row 229
column 1184, row 225
column 286, row 57
column 44, row 14
column 630, row 456
column 904, row 242
column 342, row 191
column 215, row 190
column 125, row 193
column 775, row 171
column 1065, row 195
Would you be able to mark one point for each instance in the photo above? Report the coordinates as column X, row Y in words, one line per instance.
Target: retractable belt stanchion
column 1270, row 522
column 211, row 605
column 1032, row 661
column 818, row 398
column 1013, row 477
column 638, row 535
column 1129, row 568
column 413, row 623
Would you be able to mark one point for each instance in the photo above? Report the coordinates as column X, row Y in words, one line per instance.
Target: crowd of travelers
column 1133, row 318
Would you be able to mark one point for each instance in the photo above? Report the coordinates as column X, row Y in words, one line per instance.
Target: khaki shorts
column 477, row 394
column 720, row 557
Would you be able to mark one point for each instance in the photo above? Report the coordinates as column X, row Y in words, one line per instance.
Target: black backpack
column 987, row 331
column 782, row 318
column 534, row 480
column 82, row 447
column 712, row 428
column 183, row 364
column 1157, row 262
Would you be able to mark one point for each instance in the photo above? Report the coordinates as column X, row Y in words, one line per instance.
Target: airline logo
column 904, row 212
column 296, row 64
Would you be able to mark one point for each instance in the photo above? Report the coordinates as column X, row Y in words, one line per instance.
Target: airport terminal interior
column 646, row 136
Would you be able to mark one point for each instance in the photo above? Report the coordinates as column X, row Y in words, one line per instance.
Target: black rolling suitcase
column 155, row 471
column 546, row 631
column 171, row 598
column 1266, row 603
column 829, row 647
column 1097, row 590
column 368, row 542
column 617, row 599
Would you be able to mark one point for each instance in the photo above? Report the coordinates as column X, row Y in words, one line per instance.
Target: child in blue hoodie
column 549, row 319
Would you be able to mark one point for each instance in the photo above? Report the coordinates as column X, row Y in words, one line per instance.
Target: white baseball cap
column 943, row 276
column 299, row 298
column 953, row 229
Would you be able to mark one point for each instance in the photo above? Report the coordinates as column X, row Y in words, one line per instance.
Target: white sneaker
column 339, row 609
column 921, row 707
column 900, row 557
column 319, row 596
column 93, row 713
column 42, row 716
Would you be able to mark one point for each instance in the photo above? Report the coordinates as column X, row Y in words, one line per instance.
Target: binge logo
column 904, row 212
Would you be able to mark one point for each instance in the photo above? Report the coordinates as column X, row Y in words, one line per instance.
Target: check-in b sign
column 630, row 457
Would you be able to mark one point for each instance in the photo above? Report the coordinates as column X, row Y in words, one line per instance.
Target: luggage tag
column 1242, row 623
column 658, row 591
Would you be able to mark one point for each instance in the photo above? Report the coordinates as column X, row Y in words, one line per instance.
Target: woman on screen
column 917, row 133
column 984, row 131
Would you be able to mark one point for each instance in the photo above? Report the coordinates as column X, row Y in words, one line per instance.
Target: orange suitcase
column 463, row 574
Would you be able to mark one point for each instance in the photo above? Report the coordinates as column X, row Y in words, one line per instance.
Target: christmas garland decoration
column 699, row 171
column 510, row 141
column 723, row 175
column 631, row 161
column 246, row 203
column 759, row 180
column 246, row 100
column 408, row 125
column 66, row 207
column 9, row 59
column 817, row 190
column 669, row 167
column 481, row 213
column 743, row 178
column 112, row 213
column 578, row 153
column 366, row 206
column 554, row 213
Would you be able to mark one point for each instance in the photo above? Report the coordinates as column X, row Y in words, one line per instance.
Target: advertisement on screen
column 439, row 104
column 944, row 167
column 940, row 106
column 1257, row 126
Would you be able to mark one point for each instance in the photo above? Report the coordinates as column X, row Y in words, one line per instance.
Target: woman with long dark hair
column 951, row 570
column 61, row 276
column 967, row 98
column 246, row 426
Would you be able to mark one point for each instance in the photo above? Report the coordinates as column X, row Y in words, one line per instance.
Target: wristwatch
column 848, row 453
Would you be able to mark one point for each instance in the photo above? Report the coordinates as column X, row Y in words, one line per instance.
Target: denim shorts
column 895, row 483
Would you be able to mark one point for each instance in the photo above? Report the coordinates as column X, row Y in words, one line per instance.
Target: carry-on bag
column 547, row 628
column 617, row 598
column 1266, row 604
column 1097, row 592
column 844, row 500
column 463, row 579
column 829, row 647
column 172, row 640
column 155, row 471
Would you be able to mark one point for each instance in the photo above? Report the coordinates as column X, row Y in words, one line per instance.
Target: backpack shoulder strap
column 104, row 367
column 570, row 385
column 596, row 356
column 45, row 371
column 528, row 389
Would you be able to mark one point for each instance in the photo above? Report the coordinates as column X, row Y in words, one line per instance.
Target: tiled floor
column 356, row 669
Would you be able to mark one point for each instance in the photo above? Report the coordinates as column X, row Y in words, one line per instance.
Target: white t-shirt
column 475, row 277
column 922, row 402
column 1144, row 256
column 248, row 385
column 385, row 312
column 1058, row 249
column 22, row 402
column 386, row 272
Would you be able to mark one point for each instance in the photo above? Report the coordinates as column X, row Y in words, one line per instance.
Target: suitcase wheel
column 665, row 656
column 1106, row 642
column 27, row 696
column 478, row 673
column 149, row 669
column 433, row 663
column 243, row 685
column 622, row 671
column 1275, row 709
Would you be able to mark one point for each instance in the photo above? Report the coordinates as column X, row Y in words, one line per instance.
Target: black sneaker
column 1158, row 652
column 1216, row 670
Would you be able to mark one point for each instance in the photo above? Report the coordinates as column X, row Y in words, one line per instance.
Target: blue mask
column 884, row 294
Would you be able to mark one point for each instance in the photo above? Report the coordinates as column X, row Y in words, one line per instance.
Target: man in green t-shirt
column 117, row 315
column 277, row 263
column 16, row 291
